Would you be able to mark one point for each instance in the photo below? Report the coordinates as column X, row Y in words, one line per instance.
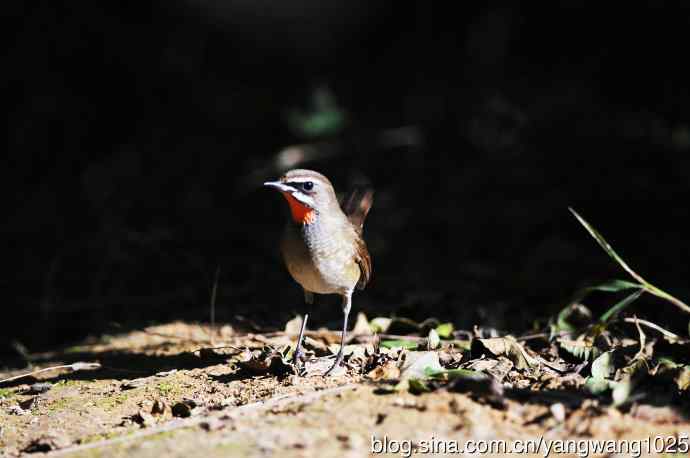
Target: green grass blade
column 613, row 311
column 614, row 286
column 606, row 246
column 612, row 253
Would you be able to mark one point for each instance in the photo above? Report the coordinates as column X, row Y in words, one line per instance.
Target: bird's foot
column 297, row 356
column 336, row 368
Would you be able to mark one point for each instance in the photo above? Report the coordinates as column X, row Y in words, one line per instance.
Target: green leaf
column 417, row 365
column 325, row 117
column 417, row 386
column 582, row 347
column 597, row 386
column 644, row 283
column 613, row 286
column 603, row 367
column 406, row 344
column 571, row 318
column 464, row 345
column 622, row 391
column 667, row 362
column 454, row 374
column 445, row 330
column 613, row 311
column 380, row 324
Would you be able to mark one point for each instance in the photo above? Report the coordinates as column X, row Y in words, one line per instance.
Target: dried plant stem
column 656, row 327
column 73, row 367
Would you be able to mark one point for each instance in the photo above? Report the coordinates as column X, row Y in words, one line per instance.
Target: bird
column 323, row 246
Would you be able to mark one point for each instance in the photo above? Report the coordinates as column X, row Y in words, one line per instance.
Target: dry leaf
column 362, row 326
column 387, row 371
column 505, row 346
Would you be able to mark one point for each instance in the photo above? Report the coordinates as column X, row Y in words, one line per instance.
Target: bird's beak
column 282, row 187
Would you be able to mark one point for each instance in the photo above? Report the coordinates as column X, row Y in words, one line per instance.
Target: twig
column 219, row 348
column 172, row 336
column 228, row 413
column 74, row 367
column 656, row 327
column 643, row 338
column 538, row 335
column 542, row 335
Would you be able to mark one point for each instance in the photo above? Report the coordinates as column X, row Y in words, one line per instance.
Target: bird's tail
column 357, row 205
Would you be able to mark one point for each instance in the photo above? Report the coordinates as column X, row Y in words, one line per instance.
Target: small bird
column 322, row 246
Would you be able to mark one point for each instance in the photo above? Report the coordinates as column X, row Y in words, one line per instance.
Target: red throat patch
column 300, row 212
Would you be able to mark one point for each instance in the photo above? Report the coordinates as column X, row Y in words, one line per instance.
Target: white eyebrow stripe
column 305, row 199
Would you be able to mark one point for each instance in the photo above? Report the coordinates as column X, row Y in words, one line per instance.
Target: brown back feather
column 356, row 207
column 364, row 261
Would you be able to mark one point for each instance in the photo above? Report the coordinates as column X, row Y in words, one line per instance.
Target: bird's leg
column 347, row 303
column 309, row 299
column 297, row 357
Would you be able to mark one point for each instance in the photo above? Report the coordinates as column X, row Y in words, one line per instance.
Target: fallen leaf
column 417, row 365
column 622, row 391
column 683, row 379
column 380, row 324
column 387, row 371
column 433, row 340
column 319, row 367
column 505, row 346
column 293, row 326
column 597, row 386
column 445, row 330
column 269, row 360
column 406, row 344
column 603, row 367
column 319, row 347
column 362, row 325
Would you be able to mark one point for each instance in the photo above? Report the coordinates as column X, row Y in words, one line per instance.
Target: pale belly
column 325, row 269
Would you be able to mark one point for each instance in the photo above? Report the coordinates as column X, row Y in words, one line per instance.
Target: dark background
column 138, row 135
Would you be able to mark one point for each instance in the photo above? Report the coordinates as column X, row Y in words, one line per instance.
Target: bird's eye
column 308, row 186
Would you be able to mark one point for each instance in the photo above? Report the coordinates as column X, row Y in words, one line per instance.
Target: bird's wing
column 357, row 206
column 364, row 261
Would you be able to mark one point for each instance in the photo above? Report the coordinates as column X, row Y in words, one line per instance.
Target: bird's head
column 307, row 192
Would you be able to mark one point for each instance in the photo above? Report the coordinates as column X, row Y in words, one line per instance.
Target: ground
column 158, row 392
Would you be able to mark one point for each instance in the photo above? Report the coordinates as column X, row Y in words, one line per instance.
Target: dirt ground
column 157, row 394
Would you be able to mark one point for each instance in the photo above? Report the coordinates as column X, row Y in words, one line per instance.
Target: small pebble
column 136, row 383
column 558, row 412
column 40, row 387
column 16, row 410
